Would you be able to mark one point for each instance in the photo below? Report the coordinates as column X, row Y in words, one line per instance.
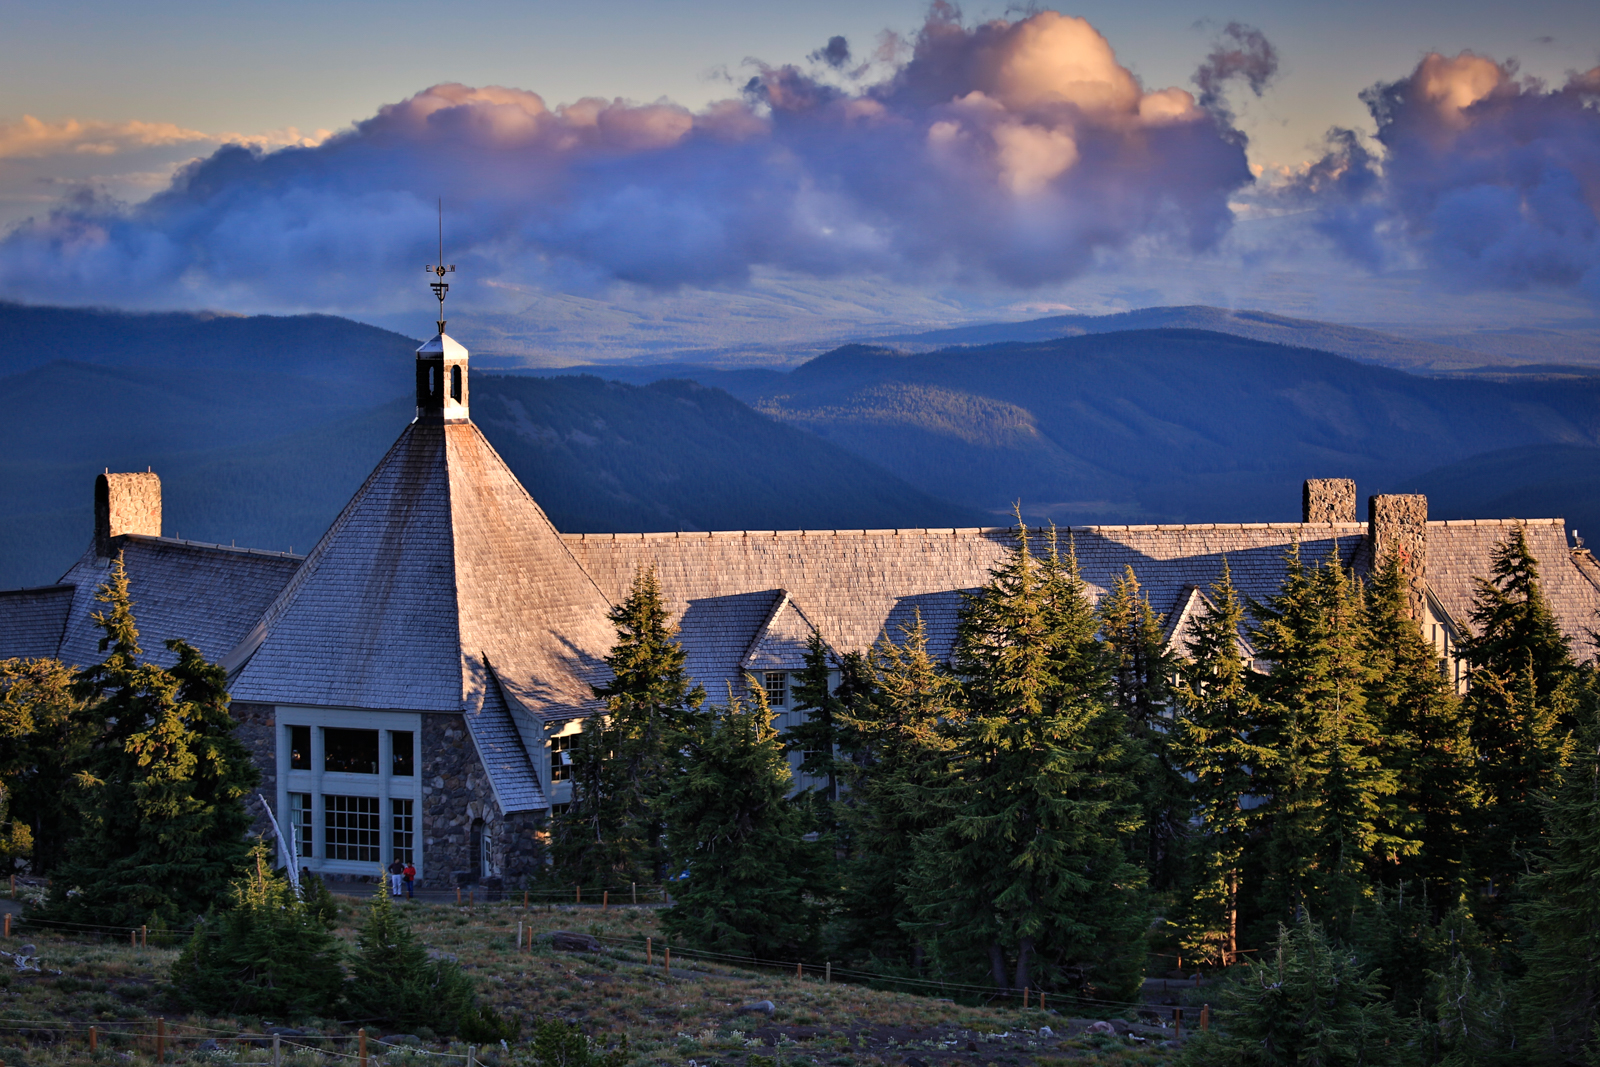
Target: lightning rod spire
column 439, row 270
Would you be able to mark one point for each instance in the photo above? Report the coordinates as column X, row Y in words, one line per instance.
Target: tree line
column 1063, row 803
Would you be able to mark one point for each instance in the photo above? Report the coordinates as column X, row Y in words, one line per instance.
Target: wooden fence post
column 1177, row 1021
column 277, row 1051
column 649, row 959
column 524, row 900
column 666, row 959
column 161, row 1039
column 1024, row 998
column 827, row 973
column 578, row 897
column 635, row 887
column 94, row 1038
column 605, row 900
column 361, row 1046
column 519, row 935
column 8, row 924
column 1205, row 1017
column 144, row 937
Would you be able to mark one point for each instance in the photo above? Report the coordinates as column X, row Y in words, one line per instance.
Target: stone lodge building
column 411, row 686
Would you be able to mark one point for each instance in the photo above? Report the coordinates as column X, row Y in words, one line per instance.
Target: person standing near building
column 410, row 876
column 397, row 870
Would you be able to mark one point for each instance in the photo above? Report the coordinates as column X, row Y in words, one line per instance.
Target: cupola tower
column 441, row 363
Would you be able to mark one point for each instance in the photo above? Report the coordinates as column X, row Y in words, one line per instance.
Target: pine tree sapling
column 266, row 954
column 1307, row 1001
column 393, row 980
column 751, row 874
column 162, row 792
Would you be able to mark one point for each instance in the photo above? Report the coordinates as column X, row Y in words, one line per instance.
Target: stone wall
column 1397, row 525
column 455, row 795
column 125, row 504
column 257, row 731
column 1328, row 500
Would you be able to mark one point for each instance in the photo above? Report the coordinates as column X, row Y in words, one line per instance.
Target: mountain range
column 263, row 426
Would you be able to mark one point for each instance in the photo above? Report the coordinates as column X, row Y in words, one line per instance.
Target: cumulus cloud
column 1488, row 179
column 1011, row 150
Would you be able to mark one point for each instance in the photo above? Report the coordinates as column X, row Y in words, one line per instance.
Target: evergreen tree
column 1559, row 998
column 46, row 734
column 816, row 738
column 393, row 980
column 1520, row 699
column 1330, row 792
column 751, row 874
column 1030, row 877
column 1426, row 742
column 902, row 741
column 1213, row 743
column 614, row 832
column 267, row 954
column 1307, row 1002
column 1141, row 689
column 594, row 842
column 163, row 790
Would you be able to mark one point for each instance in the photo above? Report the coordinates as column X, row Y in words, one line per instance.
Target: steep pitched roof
column 780, row 644
column 32, row 620
column 501, row 750
column 857, row 584
column 439, row 563
column 1461, row 550
column 207, row 595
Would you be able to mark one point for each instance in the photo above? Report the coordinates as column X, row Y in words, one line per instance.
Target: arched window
column 433, row 381
column 455, row 384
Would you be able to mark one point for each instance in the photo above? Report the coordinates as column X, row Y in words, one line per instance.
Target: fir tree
column 614, row 832
column 1213, row 742
column 1520, row 699
column 594, row 842
column 751, row 874
column 1330, row 791
column 1030, row 877
column 1308, row 1001
column 266, row 954
column 163, row 791
column 1559, row 998
column 46, row 734
column 1141, row 689
column 1426, row 742
column 395, row 982
column 816, row 738
column 902, row 741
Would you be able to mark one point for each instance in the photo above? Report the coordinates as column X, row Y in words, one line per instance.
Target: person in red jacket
column 409, row 876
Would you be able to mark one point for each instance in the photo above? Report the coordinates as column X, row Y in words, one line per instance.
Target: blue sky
column 121, row 94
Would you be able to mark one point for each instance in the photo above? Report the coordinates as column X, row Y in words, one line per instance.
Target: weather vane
column 440, row 287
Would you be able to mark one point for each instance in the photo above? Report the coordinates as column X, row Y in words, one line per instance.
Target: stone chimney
column 1398, row 525
column 125, row 504
column 1328, row 500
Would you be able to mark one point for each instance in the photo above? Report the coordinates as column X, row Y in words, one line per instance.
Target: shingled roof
column 208, row 595
column 857, row 584
column 439, row 564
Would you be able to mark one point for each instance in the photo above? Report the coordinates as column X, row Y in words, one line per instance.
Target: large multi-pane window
column 350, row 751
column 351, row 828
column 300, row 820
column 561, row 757
column 403, row 828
